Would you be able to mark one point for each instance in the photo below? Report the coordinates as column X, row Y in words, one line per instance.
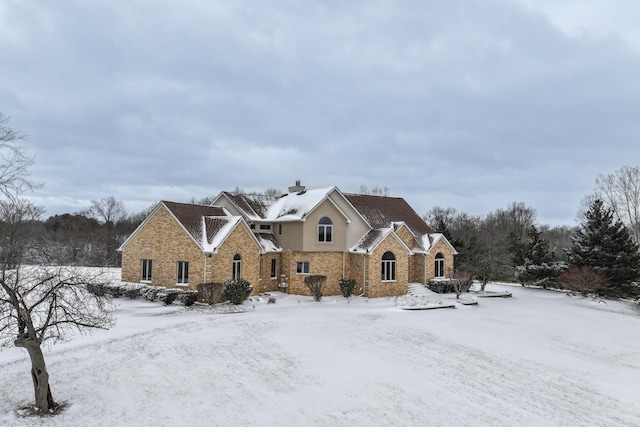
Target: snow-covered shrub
column 188, row 298
column 210, row 293
column 151, row 293
column 133, row 293
column 347, row 286
column 544, row 275
column 315, row 283
column 97, row 289
column 441, row 286
column 237, row 291
column 170, row 296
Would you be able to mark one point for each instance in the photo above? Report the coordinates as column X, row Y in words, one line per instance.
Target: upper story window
column 237, row 267
column 265, row 226
column 439, row 265
column 388, row 273
column 325, row 230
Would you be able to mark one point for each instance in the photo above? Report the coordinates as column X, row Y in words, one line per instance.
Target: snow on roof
column 294, row 206
column 254, row 206
column 215, row 229
column 370, row 240
column 431, row 240
column 268, row 242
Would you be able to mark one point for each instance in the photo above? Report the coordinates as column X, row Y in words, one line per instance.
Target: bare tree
column 109, row 212
column 620, row 191
column 376, row 190
column 272, row 192
column 37, row 304
column 14, row 162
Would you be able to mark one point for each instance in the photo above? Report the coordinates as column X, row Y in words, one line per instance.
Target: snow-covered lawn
column 540, row 358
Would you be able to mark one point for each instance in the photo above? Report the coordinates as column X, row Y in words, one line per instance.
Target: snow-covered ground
column 540, row 358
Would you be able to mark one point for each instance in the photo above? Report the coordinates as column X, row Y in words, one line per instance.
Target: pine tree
column 604, row 243
column 539, row 267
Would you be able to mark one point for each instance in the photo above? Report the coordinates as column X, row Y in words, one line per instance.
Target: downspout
column 204, row 278
column 343, row 260
column 364, row 276
column 425, row 270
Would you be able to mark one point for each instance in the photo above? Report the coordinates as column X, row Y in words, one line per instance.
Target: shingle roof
column 254, row 206
column 190, row 216
column 383, row 211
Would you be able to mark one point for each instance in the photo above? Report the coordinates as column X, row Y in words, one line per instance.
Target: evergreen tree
column 539, row 267
column 604, row 243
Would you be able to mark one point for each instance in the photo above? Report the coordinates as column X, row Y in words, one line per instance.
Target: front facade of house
column 274, row 243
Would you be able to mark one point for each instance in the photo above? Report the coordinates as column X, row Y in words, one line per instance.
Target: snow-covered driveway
column 540, row 358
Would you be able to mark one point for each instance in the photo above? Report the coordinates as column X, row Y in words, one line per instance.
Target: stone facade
column 165, row 242
column 239, row 242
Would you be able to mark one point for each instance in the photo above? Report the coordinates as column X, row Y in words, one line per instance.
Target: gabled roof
column 295, row 206
column 430, row 240
column 253, row 206
column 373, row 238
column 215, row 230
column 383, row 211
column 188, row 215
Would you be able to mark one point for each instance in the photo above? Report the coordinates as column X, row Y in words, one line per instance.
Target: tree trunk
column 39, row 375
column 484, row 283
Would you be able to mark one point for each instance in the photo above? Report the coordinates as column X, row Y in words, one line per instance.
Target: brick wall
column 165, row 242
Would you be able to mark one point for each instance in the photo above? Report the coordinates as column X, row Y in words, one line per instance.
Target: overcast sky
column 466, row 104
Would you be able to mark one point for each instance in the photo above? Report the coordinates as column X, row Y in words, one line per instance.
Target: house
column 274, row 243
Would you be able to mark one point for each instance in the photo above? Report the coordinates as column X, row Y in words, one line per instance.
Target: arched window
column 439, row 266
column 325, row 230
column 237, row 267
column 388, row 267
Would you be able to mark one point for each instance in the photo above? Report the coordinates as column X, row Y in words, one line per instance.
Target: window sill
column 145, row 281
column 182, row 284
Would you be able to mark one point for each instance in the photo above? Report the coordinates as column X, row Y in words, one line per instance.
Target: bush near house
column 210, row 292
column 315, row 283
column 347, row 286
column 237, row 291
column 441, row 286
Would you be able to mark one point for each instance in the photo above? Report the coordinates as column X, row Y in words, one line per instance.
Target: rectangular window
column 274, row 268
column 302, row 267
column 146, row 270
column 279, row 228
column 265, row 226
column 183, row 272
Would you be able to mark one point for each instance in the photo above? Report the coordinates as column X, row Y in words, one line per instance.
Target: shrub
column 169, row 297
column 441, row 286
column 583, row 279
column 461, row 281
column 133, row 293
column 315, row 283
column 237, row 291
column 189, row 298
column 97, row 289
column 151, row 293
column 210, row 293
column 347, row 286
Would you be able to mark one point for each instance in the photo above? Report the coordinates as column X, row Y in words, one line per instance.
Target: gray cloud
column 471, row 105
